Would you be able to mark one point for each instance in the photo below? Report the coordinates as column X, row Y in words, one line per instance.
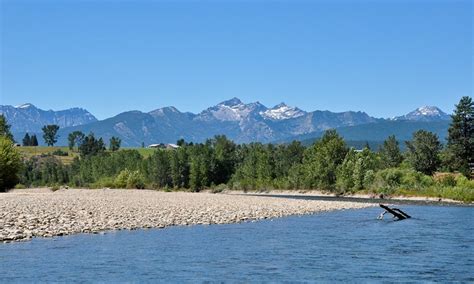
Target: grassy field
column 145, row 152
column 30, row 151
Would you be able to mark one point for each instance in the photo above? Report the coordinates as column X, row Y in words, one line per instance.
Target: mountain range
column 239, row 121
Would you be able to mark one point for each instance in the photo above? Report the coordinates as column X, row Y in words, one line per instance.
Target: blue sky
column 382, row 57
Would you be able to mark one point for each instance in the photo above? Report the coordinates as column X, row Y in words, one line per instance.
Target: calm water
column 437, row 244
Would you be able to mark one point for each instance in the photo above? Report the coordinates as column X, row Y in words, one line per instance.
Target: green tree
column 423, row 152
column 179, row 167
column 285, row 156
column 159, row 168
column 27, row 140
column 225, row 160
column 10, row 163
column 91, row 146
column 50, row 134
column 34, row 140
column 256, row 169
column 460, row 148
column 5, row 128
column 198, row 175
column 390, row 153
column 75, row 138
column 322, row 160
column 114, row 144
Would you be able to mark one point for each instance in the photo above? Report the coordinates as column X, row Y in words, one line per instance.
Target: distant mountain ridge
column 28, row 118
column 239, row 121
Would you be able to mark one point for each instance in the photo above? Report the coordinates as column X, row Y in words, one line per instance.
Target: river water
column 437, row 244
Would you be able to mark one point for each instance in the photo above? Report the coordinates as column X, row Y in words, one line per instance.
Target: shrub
column 10, row 164
column 20, row 186
column 446, row 179
column 130, row 179
column 60, row 152
column 220, row 188
column 391, row 177
column 54, row 187
column 104, row 182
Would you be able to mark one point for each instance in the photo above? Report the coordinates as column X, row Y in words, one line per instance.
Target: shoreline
column 29, row 213
column 358, row 197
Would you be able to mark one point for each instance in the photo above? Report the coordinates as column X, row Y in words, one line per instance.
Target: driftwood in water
column 397, row 213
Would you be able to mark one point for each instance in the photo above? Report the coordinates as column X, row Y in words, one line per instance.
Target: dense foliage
column 10, row 163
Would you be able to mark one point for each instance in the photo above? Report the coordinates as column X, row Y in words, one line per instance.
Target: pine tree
column 460, row 146
column 34, row 140
column 5, row 128
column 91, row 146
column 114, row 144
column 26, row 140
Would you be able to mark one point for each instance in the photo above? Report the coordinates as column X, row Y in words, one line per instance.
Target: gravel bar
column 29, row 213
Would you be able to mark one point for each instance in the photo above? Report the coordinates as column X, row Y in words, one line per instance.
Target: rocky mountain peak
column 425, row 113
column 282, row 111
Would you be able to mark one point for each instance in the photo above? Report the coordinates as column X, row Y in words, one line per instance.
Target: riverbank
column 357, row 197
column 29, row 213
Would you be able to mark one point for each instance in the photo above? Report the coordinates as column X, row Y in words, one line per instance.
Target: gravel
column 29, row 213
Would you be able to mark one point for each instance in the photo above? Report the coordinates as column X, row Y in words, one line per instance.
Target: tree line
column 329, row 164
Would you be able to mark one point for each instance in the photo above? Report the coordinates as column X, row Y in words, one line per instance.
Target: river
column 437, row 244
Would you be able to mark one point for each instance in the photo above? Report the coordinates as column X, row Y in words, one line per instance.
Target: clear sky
column 382, row 57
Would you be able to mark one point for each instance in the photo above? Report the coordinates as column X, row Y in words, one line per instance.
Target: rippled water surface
column 436, row 245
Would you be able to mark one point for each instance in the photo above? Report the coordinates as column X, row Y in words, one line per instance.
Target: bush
column 10, row 164
column 20, row 186
column 55, row 187
column 130, row 179
column 104, row 182
column 390, row 178
column 446, row 179
column 220, row 188
column 60, row 152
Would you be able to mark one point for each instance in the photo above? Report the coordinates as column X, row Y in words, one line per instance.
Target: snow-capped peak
column 27, row 105
column 428, row 110
column 424, row 113
column 282, row 111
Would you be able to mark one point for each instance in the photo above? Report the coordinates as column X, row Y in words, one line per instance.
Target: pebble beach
column 29, row 213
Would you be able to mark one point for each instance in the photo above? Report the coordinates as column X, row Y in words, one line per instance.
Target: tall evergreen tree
column 26, row 140
column 34, row 140
column 114, row 144
column 91, row 146
column 5, row 128
column 460, row 148
column 50, row 134
column 390, row 153
column 423, row 152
